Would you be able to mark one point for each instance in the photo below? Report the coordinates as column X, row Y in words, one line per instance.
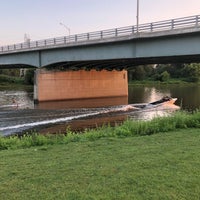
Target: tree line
column 14, row 75
column 163, row 72
column 159, row 72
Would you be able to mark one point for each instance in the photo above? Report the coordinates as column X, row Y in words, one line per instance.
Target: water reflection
column 150, row 113
column 188, row 95
column 138, row 94
column 86, row 123
column 83, row 103
column 11, row 99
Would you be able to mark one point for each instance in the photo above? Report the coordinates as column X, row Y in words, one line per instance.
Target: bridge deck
column 154, row 29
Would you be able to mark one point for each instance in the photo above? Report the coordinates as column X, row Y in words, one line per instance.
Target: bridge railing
column 173, row 24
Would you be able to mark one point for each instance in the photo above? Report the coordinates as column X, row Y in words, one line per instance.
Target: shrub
column 164, row 76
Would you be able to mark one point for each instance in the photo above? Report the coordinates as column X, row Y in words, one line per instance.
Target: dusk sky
column 40, row 19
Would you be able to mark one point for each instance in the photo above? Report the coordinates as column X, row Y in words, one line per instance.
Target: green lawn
column 160, row 166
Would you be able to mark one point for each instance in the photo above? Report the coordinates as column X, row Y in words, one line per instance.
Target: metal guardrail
column 178, row 23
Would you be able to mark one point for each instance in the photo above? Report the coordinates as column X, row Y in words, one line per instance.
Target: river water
column 18, row 114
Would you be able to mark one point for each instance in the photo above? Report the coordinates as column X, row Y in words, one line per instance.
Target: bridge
column 175, row 40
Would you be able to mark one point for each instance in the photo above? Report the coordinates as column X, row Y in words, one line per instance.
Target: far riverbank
column 170, row 82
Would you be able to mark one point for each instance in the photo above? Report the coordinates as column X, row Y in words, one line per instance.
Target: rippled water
column 11, row 99
column 18, row 113
column 188, row 95
column 17, row 121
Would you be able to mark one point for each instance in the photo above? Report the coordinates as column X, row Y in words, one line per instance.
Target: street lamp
column 137, row 17
column 68, row 29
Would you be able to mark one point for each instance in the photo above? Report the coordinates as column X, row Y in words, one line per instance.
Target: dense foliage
column 158, row 72
column 10, row 72
column 25, row 76
column 162, row 72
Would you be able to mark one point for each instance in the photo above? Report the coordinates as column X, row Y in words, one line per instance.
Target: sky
column 40, row 19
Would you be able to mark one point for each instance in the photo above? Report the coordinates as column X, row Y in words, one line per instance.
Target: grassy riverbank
column 170, row 82
column 157, row 159
column 5, row 80
column 14, row 82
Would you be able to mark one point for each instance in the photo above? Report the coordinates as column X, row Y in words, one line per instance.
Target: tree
column 192, row 72
column 10, row 72
column 164, row 76
column 141, row 72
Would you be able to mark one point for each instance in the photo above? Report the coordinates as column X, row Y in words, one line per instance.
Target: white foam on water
column 63, row 119
column 7, row 106
column 66, row 119
column 52, row 121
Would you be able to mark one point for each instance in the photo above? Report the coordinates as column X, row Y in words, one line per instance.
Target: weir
column 53, row 85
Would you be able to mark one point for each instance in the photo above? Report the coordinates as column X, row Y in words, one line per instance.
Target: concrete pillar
column 66, row 85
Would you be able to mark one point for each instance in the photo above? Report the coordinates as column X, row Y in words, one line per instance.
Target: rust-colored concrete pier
column 66, row 85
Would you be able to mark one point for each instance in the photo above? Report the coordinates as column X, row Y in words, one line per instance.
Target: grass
column 13, row 83
column 156, row 159
column 4, row 79
column 153, row 82
column 160, row 166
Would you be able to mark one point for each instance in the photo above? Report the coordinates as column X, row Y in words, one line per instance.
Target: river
column 18, row 114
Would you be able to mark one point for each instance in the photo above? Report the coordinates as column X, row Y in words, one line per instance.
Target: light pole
column 68, row 29
column 137, row 17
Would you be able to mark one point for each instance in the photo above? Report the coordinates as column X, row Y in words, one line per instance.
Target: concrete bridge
column 176, row 40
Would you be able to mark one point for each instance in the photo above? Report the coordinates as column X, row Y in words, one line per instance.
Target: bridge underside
column 116, row 64
column 121, row 64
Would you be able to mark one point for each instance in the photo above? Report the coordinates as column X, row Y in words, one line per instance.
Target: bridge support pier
column 67, row 85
